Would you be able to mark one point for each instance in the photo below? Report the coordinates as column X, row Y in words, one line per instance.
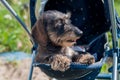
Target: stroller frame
column 114, row 75
column 114, row 39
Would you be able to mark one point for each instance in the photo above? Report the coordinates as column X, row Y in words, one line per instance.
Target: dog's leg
column 84, row 58
column 60, row 63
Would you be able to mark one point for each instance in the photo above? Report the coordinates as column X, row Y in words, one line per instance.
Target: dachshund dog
column 55, row 35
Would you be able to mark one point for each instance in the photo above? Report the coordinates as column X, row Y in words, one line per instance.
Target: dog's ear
column 38, row 33
column 68, row 14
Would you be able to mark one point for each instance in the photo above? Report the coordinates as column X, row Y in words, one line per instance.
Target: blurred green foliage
column 117, row 6
column 12, row 36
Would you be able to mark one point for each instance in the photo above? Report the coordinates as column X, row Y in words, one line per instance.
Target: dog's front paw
column 85, row 59
column 60, row 63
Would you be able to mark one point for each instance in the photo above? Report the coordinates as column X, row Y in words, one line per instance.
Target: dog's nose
column 78, row 32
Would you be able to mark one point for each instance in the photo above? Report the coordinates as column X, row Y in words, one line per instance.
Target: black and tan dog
column 55, row 34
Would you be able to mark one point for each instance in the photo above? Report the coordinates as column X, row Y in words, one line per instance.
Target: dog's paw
column 85, row 59
column 60, row 63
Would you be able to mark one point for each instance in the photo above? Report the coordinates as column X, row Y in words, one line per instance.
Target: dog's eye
column 59, row 21
column 59, row 26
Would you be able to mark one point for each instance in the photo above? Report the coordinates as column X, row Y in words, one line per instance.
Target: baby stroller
column 94, row 15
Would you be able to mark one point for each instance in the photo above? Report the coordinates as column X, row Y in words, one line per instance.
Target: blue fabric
column 118, row 25
column 76, row 72
column 32, row 12
column 90, row 76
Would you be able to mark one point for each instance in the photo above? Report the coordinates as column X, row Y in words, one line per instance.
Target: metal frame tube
column 32, row 67
column 114, row 39
column 32, row 12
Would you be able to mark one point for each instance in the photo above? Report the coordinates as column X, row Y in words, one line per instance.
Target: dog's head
column 57, row 28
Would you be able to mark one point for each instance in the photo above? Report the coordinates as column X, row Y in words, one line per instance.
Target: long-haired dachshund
column 55, row 34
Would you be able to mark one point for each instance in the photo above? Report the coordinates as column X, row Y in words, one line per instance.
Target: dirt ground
column 18, row 70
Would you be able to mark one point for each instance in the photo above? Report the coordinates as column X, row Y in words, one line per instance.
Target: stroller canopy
column 90, row 16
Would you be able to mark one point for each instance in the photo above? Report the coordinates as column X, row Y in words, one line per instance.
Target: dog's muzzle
column 78, row 32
